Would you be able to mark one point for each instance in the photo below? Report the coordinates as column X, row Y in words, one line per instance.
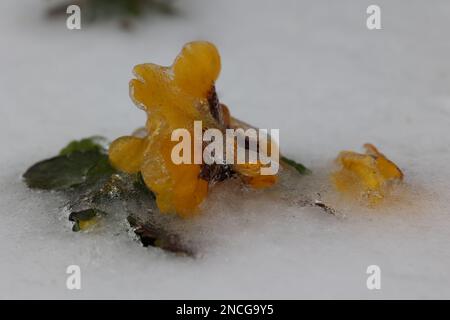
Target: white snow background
column 311, row 69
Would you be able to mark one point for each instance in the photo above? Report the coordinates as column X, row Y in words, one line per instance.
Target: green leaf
column 88, row 144
column 82, row 161
column 132, row 7
column 85, row 219
column 297, row 166
column 63, row 172
column 101, row 170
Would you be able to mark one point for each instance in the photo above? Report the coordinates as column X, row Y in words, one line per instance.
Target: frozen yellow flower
column 174, row 97
column 368, row 175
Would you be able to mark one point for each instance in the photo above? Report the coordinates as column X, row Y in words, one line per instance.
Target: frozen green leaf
column 85, row 219
column 84, row 145
column 82, row 161
column 297, row 166
column 62, row 172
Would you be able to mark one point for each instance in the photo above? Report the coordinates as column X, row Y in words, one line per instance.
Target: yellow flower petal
column 387, row 168
column 365, row 175
column 126, row 153
column 197, row 68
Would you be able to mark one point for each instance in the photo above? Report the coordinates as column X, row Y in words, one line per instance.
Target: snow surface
column 310, row 68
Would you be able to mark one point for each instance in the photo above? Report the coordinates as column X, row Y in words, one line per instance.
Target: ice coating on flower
column 368, row 175
column 174, row 97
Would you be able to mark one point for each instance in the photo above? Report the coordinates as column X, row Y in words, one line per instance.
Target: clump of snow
column 309, row 68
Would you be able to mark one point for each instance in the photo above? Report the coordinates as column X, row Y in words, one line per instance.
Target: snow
column 311, row 69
